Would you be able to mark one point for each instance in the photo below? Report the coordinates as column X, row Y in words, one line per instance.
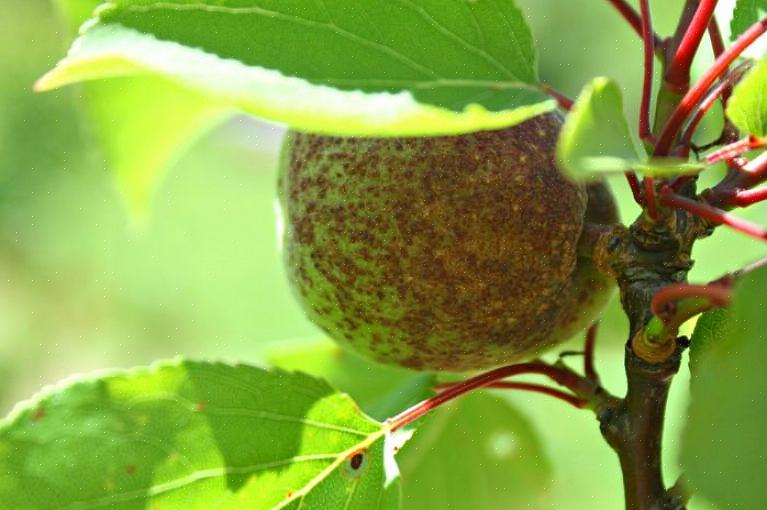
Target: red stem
column 715, row 35
column 696, row 93
column 564, row 102
column 645, row 132
column 678, row 75
column 633, row 18
column 636, row 188
column 755, row 171
column 535, row 388
column 716, row 294
column 711, row 214
column 735, row 149
column 649, row 193
column 588, row 353
column 558, row 375
column 749, row 197
column 724, row 86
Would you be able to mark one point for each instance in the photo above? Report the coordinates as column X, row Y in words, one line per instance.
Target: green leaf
column 724, row 452
column 596, row 141
column 142, row 123
column 187, row 435
column 478, row 452
column 380, row 67
column 746, row 13
column 595, row 138
column 747, row 108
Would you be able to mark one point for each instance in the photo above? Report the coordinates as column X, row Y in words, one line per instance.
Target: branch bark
column 643, row 259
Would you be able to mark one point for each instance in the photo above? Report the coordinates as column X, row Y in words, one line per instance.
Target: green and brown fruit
column 447, row 253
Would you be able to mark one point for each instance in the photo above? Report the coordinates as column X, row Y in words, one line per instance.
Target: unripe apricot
column 444, row 253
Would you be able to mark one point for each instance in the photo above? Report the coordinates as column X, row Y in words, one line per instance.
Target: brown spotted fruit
column 447, row 253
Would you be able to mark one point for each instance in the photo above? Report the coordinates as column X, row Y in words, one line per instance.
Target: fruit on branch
column 445, row 253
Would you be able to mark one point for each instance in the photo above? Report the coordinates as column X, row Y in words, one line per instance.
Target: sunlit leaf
column 382, row 67
column 595, row 139
column 188, row 435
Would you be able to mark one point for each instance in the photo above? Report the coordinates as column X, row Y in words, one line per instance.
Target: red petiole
column 559, row 375
column 678, row 73
column 724, row 86
column 662, row 303
column 645, row 132
column 697, row 92
column 732, row 150
column 711, row 213
column 534, row 388
column 745, row 198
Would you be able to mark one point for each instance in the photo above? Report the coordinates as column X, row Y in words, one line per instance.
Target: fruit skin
column 449, row 253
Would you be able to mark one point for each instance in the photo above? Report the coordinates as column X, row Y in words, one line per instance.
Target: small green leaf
column 596, row 141
column 141, row 122
column 377, row 67
column 729, row 404
column 595, row 138
column 746, row 13
column 747, row 108
column 187, row 435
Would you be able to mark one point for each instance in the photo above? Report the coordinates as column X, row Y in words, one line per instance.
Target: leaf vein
column 332, row 27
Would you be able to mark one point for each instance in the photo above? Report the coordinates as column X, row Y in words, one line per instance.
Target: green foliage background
column 83, row 285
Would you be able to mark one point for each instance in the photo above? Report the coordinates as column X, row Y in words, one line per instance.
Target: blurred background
column 84, row 286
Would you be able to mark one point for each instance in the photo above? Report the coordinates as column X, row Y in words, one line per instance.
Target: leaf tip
column 45, row 83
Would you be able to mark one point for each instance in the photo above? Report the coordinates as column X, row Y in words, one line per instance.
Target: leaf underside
column 376, row 67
